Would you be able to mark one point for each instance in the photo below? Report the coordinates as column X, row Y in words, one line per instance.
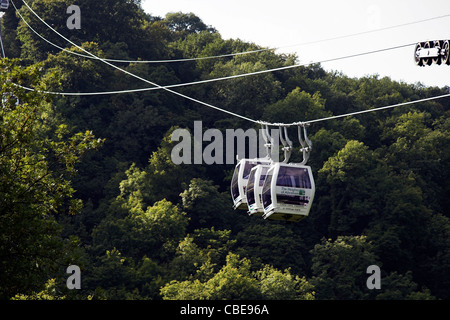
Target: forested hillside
column 89, row 181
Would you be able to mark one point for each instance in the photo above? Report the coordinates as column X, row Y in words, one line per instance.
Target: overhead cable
column 236, row 53
column 227, row 77
column 371, row 110
column 206, row 80
column 232, row 113
column 134, row 75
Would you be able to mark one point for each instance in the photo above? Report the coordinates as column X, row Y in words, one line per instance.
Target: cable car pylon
column 305, row 142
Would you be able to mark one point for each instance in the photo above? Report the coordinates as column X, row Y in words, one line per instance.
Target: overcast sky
column 284, row 23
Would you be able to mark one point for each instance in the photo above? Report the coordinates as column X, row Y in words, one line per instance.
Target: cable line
column 207, row 80
column 235, row 114
column 134, row 75
column 371, row 110
column 227, row 77
column 132, row 61
column 137, row 61
column 46, row 40
column 366, row 32
column 1, row 42
column 236, row 53
column 284, row 124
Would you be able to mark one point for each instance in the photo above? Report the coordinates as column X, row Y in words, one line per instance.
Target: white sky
column 284, row 23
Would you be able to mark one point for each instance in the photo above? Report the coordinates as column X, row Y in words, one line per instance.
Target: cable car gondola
column 254, row 189
column 288, row 192
column 429, row 52
column 240, row 179
column 242, row 173
column 276, row 190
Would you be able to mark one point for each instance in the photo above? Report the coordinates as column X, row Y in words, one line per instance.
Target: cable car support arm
column 305, row 142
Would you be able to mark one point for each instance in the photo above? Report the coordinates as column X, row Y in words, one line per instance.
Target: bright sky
column 284, row 23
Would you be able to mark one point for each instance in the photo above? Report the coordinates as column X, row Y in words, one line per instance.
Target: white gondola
column 242, row 173
column 288, row 192
column 240, row 179
column 4, row 4
column 254, row 189
column 276, row 190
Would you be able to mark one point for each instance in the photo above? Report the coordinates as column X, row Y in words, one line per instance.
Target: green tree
column 113, row 275
column 37, row 161
column 183, row 24
column 273, row 244
column 339, row 267
column 205, row 205
column 166, row 223
column 278, row 285
column 297, row 105
column 137, row 230
column 352, row 177
column 233, row 281
column 11, row 44
column 48, row 293
column 246, row 95
column 204, row 247
column 420, row 146
column 202, row 44
column 409, row 237
column 78, row 73
column 236, row 280
column 166, row 179
column 100, row 21
column 401, row 287
column 326, row 143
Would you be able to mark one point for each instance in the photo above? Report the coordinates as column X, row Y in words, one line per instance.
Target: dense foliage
column 141, row 227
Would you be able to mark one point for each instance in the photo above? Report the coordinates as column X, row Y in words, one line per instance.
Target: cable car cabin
column 288, row 192
column 4, row 4
column 254, row 189
column 240, row 179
